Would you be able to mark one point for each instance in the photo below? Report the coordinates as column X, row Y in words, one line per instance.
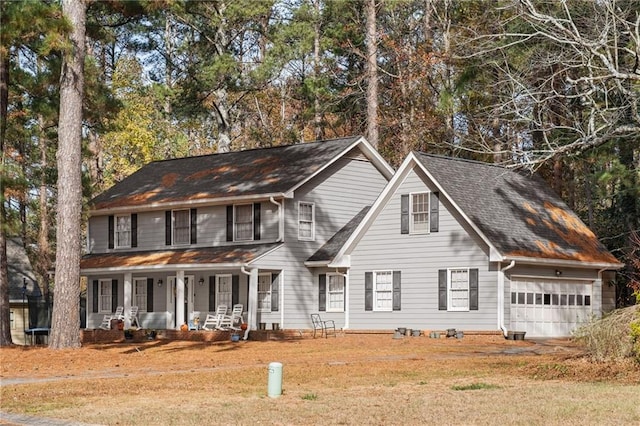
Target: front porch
column 142, row 335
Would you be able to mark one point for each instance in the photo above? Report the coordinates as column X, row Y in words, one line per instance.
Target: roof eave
column 187, row 203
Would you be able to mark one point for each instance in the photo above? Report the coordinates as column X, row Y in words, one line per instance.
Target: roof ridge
column 213, row 154
column 466, row 160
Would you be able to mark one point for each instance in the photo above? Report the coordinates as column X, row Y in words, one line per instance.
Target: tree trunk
column 372, row 75
column 5, row 315
column 65, row 324
column 317, row 116
column 44, row 249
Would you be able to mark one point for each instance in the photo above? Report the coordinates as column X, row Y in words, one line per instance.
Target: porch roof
column 237, row 255
column 328, row 251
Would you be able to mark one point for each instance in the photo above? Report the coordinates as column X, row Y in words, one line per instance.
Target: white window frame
column 458, row 290
column 174, row 227
column 118, row 243
column 236, row 223
column 140, row 298
column 264, row 295
column 224, row 297
column 335, row 292
column 311, row 223
column 378, row 300
column 105, row 298
column 414, row 215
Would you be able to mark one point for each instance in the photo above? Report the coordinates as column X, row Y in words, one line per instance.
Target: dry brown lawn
column 350, row 379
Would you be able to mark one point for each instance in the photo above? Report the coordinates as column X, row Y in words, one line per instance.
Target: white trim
column 566, row 263
column 313, row 221
column 342, row 309
column 412, row 231
column 450, row 307
column 374, row 278
column 515, row 277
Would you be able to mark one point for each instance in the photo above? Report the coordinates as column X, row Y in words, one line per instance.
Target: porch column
column 179, row 298
column 253, row 299
column 127, row 298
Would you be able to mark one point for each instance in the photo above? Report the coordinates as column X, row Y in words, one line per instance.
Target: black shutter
column 396, row 290
column 322, row 292
column 134, row 230
column 433, row 212
column 114, row 295
column 256, row 221
column 368, row 291
column 167, row 227
column 194, row 226
column 473, row 289
column 235, row 289
column 111, row 231
column 95, row 296
column 404, row 214
column 149, row 294
column 212, row 293
column 275, row 292
column 229, row 223
column 442, row 289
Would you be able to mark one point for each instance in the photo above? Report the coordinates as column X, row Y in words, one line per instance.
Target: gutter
column 501, row 297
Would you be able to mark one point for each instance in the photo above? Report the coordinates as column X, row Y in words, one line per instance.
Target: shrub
column 611, row 337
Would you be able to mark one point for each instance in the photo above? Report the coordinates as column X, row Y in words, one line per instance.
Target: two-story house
column 461, row 244
column 179, row 237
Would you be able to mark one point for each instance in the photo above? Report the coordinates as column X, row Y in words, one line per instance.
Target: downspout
column 280, row 220
column 252, row 303
column 501, row 297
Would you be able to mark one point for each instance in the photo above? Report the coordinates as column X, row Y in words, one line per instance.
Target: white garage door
column 549, row 308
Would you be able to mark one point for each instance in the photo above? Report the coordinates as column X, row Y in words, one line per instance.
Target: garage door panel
column 551, row 308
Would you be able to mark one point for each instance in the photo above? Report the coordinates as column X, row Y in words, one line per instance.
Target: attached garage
column 549, row 308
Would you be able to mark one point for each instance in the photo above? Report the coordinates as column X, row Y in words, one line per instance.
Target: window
column 181, row 226
column 140, row 294
column 12, row 319
column 224, row 290
column 459, row 290
column 264, row 292
column 335, row 293
column 383, row 291
column 419, row 213
column 243, row 222
column 306, row 221
column 105, row 295
column 123, row 231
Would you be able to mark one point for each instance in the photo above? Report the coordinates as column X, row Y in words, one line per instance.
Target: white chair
column 106, row 322
column 233, row 321
column 119, row 313
column 213, row 320
column 133, row 317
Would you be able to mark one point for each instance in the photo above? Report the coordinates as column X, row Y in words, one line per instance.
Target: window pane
column 521, row 298
column 538, row 298
column 244, row 222
column 587, row 300
column 420, row 212
column 572, row 299
column 123, row 231
column 335, row 293
column 547, row 299
column 579, row 300
column 563, row 300
column 514, row 296
column 459, row 288
column 181, row 227
column 529, row 298
column 140, row 298
column 224, row 291
column 305, row 221
column 383, row 291
column 105, row 296
column 264, row 292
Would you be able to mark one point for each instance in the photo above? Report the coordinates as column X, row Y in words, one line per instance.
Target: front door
column 187, row 303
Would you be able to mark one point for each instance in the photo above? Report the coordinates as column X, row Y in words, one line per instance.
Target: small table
column 39, row 331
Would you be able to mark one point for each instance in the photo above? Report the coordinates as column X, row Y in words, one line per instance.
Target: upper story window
column 243, row 222
column 181, row 226
column 306, row 221
column 419, row 213
column 123, row 231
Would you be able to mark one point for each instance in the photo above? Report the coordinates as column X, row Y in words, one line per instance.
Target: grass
column 347, row 380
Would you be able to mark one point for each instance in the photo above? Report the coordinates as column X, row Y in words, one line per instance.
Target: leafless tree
column 568, row 76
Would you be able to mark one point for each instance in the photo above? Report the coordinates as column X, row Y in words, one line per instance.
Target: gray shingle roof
column 519, row 213
column 242, row 173
column 329, row 250
column 18, row 269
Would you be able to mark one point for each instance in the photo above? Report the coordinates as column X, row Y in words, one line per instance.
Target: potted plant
column 128, row 333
